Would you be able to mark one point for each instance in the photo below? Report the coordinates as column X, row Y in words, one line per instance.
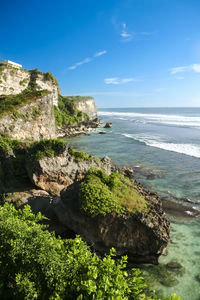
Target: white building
column 10, row 63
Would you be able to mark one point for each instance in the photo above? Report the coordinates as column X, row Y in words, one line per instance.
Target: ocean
column 162, row 145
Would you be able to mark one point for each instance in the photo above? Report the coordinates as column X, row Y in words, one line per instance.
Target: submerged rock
column 173, row 265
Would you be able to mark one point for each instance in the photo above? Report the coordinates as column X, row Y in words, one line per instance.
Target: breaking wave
column 175, row 120
column 152, row 141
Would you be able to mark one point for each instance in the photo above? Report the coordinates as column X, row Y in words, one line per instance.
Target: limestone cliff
column 27, row 113
column 13, row 81
column 34, row 120
column 88, row 106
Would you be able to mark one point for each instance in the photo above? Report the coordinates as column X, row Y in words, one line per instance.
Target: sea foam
column 153, row 141
column 174, row 120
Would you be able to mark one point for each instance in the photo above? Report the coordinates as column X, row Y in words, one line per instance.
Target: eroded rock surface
column 52, row 174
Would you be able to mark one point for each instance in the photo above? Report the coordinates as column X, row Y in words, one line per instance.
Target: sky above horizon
column 124, row 53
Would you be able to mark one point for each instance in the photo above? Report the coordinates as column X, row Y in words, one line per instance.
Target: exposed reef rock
column 108, row 125
column 52, row 174
column 143, row 236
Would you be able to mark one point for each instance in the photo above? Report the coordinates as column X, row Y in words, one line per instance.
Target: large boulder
column 143, row 236
column 52, row 174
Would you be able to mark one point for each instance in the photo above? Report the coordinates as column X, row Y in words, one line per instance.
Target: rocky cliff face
column 13, row 81
column 34, row 120
column 52, row 174
column 88, row 106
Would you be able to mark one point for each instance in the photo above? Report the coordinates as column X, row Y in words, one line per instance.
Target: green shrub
column 66, row 112
column 36, row 112
column 7, row 144
column 49, row 76
column 37, row 265
column 23, row 82
column 45, row 148
column 102, row 194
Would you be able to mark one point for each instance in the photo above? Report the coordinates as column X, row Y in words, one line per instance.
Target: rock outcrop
column 80, row 128
column 52, row 174
column 34, row 120
column 88, row 106
column 143, row 236
column 13, row 81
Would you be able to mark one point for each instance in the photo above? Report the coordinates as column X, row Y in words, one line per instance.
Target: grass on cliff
column 48, row 76
column 82, row 156
column 102, row 194
column 45, row 148
column 10, row 103
column 66, row 113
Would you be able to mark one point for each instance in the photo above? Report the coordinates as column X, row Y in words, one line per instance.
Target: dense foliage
column 66, row 113
column 37, row 265
column 101, row 193
column 46, row 148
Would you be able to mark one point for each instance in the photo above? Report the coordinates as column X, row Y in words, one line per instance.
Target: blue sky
column 128, row 53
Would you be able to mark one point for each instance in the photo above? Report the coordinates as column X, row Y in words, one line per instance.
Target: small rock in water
column 108, row 125
column 173, row 265
column 102, row 132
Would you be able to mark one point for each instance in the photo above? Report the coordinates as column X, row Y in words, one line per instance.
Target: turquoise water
column 163, row 148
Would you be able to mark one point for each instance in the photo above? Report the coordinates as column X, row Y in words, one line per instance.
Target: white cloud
column 194, row 67
column 84, row 61
column 87, row 60
column 100, row 53
column 126, row 80
column 124, row 34
column 127, row 36
column 116, row 80
column 112, row 80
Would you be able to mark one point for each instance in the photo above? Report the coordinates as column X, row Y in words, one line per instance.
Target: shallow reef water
column 163, row 148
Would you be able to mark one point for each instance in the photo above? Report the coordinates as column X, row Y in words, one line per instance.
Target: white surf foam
column 156, row 141
column 175, row 120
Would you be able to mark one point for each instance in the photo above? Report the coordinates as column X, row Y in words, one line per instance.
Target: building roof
column 9, row 62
